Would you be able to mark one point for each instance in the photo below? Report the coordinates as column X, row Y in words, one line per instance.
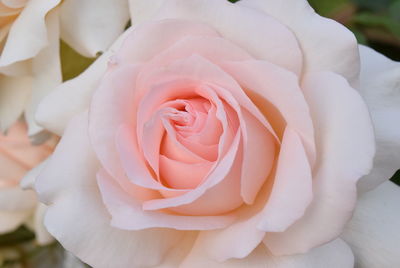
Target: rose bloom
column 30, row 32
column 226, row 135
column 17, row 157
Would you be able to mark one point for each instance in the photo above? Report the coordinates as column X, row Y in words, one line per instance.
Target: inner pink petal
column 178, row 175
column 210, row 132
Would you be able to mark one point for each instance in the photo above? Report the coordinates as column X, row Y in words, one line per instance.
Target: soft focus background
column 375, row 23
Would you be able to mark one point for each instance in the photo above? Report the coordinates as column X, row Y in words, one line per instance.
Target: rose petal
column 272, row 212
column 91, row 26
column 373, row 231
column 142, row 10
column 258, row 157
column 274, row 42
column 219, row 174
column 74, row 195
column 16, row 199
column 14, row 95
column 161, row 35
column 197, row 70
column 10, row 220
column 46, row 68
column 345, row 149
column 35, row 35
column 73, row 96
column 42, row 236
column 380, row 86
column 178, row 175
column 127, row 213
column 332, row 255
column 323, row 41
column 292, row 189
column 268, row 84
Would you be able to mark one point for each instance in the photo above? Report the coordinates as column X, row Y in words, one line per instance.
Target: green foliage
column 72, row 63
column 368, row 19
column 394, row 10
column 328, row 7
column 20, row 235
column 396, row 177
column 375, row 5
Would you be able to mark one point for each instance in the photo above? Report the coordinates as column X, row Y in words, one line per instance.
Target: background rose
column 17, row 157
column 334, row 177
column 29, row 72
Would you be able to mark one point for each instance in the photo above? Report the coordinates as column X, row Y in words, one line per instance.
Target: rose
column 29, row 72
column 219, row 135
column 17, row 157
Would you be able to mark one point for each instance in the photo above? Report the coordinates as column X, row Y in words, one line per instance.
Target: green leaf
column 328, row 7
column 394, row 10
column 20, row 235
column 373, row 20
column 372, row 4
column 361, row 38
column 72, row 63
column 396, row 177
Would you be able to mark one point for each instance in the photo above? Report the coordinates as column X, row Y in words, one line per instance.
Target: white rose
column 30, row 32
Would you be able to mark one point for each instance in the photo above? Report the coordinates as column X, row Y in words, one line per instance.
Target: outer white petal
column 77, row 217
column 380, row 87
column 10, row 220
column 16, row 199
column 332, row 255
column 141, row 10
column 373, row 233
column 91, row 26
column 43, row 237
column 46, row 70
column 73, row 97
column 37, row 225
column 259, row 34
column 327, row 45
column 28, row 180
column 28, row 34
column 14, row 96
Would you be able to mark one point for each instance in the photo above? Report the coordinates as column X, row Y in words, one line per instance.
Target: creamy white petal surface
column 323, row 41
column 16, row 48
column 73, row 96
column 14, row 96
column 91, row 26
column 331, row 255
column 142, row 10
column 46, row 69
column 373, row 232
column 380, row 87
